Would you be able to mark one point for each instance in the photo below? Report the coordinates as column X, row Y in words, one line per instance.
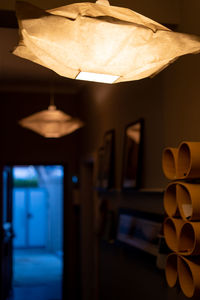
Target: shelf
column 154, row 190
column 131, row 191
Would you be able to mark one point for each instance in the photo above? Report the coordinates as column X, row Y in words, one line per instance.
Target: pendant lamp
column 51, row 123
column 98, row 42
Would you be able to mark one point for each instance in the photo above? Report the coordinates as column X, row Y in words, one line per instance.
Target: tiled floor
column 37, row 276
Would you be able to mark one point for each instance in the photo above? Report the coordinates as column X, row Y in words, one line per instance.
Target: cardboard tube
column 172, row 228
column 171, row 272
column 189, row 278
column 188, row 201
column 170, row 202
column 189, row 239
column 169, row 161
column 188, row 162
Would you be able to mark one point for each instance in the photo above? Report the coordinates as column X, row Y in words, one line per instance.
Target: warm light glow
column 51, row 123
column 97, row 77
column 100, row 39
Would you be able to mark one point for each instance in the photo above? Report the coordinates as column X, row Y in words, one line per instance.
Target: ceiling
column 20, row 74
column 161, row 11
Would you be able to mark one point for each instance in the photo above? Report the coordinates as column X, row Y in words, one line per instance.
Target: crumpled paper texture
column 98, row 38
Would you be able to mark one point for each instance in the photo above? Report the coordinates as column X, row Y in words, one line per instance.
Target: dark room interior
column 100, row 260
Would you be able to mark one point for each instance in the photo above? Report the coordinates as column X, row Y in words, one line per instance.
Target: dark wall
column 106, row 107
column 22, row 145
column 128, row 273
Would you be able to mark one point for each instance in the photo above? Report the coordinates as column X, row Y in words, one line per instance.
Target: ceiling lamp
column 51, row 123
column 98, row 42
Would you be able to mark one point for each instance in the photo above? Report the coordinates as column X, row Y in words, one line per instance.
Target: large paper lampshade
column 51, row 123
column 99, row 42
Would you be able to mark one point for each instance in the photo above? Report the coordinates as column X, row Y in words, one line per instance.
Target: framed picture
column 139, row 229
column 132, row 155
column 105, row 163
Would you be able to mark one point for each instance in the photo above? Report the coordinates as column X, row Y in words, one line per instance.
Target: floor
column 37, row 275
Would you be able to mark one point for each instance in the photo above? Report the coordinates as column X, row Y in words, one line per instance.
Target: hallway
column 36, row 275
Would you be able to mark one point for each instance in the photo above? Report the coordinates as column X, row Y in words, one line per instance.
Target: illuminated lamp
column 51, row 123
column 98, row 42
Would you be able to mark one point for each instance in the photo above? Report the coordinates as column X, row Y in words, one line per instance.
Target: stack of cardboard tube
column 182, row 225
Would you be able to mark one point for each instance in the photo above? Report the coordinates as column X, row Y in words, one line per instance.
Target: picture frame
column 132, row 155
column 105, row 162
column 140, row 230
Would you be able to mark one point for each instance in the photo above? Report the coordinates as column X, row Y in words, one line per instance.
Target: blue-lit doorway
column 38, row 231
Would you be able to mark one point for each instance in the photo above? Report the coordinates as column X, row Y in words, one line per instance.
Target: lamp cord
column 52, row 99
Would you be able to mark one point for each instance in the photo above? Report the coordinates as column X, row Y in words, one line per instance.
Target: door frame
column 6, row 235
column 89, row 228
column 69, row 285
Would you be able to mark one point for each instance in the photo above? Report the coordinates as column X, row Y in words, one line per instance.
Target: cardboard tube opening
column 170, row 203
column 184, row 161
column 186, row 278
column 184, row 202
column 187, row 238
column 170, row 234
column 169, row 163
column 171, row 270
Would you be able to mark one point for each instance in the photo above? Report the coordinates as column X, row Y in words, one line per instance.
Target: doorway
column 37, row 219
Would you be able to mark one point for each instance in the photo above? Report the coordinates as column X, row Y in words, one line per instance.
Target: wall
column 20, row 145
column 181, row 86
column 130, row 274
column 108, row 107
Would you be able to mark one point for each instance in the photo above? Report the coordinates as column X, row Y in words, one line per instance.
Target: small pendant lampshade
column 98, row 42
column 51, row 123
